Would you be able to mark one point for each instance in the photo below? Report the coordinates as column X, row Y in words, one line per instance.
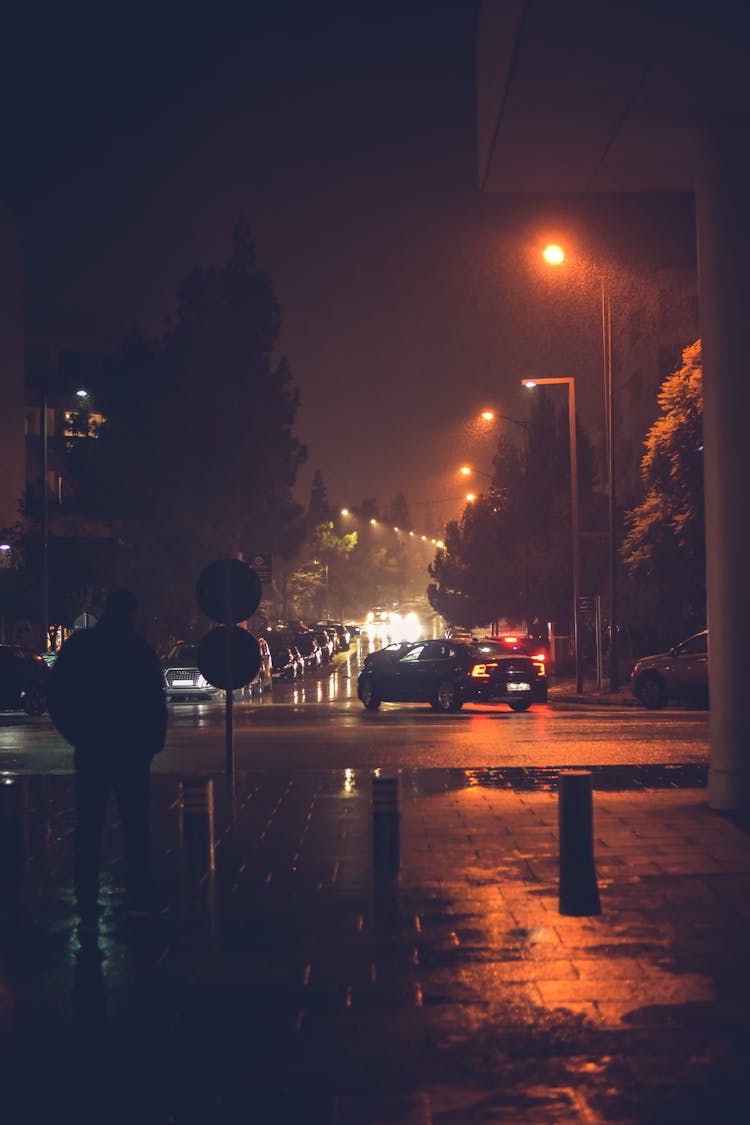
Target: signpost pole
column 229, row 694
column 229, row 591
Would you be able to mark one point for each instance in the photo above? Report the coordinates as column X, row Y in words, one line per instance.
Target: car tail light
column 540, row 659
column 510, row 640
column 482, row 671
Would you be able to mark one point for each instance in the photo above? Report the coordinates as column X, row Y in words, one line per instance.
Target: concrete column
column 723, row 211
column 12, row 440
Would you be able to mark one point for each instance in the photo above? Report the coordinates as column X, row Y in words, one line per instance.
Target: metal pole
column 574, row 527
column 614, row 670
column 229, row 692
column 43, row 528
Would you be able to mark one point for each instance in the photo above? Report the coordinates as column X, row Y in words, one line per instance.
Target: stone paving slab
column 300, row 983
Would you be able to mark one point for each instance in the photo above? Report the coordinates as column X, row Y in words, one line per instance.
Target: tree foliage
column 665, row 541
column 197, row 458
column 509, row 555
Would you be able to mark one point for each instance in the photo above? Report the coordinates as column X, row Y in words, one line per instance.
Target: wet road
column 320, row 724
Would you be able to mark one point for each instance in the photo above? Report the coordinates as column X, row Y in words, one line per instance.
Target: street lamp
column 491, row 415
column 569, row 381
column 468, row 470
column 555, row 256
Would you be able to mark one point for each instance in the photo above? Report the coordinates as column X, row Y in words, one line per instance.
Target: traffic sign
column 228, row 591
column 262, row 567
column 229, row 657
column 85, row 621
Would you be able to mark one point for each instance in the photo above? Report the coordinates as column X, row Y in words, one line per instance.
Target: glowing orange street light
column 553, row 254
column 467, row 470
column 470, row 497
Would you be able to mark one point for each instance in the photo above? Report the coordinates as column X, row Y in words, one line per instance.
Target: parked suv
column 679, row 674
column 183, row 680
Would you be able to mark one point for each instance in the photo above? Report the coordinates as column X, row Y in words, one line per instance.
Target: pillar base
column 729, row 789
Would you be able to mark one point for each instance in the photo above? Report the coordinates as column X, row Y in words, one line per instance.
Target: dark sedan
column 391, row 651
column 510, row 643
column 446, row 675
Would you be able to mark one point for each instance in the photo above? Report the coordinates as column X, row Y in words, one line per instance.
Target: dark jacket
column 106, row 692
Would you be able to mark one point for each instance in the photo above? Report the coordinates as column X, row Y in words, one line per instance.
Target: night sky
column 345, row 135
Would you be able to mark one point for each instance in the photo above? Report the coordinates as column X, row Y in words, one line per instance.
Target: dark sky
column 345, row 135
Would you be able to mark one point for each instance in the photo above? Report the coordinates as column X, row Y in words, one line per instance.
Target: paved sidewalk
column 298, row 985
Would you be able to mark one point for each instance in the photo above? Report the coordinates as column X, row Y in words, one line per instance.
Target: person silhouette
column 106, row 697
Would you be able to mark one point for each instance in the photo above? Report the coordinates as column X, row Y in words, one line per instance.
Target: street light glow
column 488, row 415
column 529, row 384
column 344, row 511
column 553, row 254
column 466, row 470
column 470, row 497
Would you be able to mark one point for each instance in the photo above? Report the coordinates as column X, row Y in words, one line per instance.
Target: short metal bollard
column 13, row 830
column 386, row 826
column 197, row 843
column 579, row 894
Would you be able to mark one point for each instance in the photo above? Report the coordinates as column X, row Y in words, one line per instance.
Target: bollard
column 13, row 830
column 196, row 805
column 386, row 827
column 579, row 894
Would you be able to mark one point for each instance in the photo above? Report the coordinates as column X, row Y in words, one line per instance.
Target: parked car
column 525, row 646
column 447, row 674
column 284, row 663
column 264, row 678
column 310, row 650
column 183, row 680
column 23, row 680
column 681, row 674
column 326, row 642
column 342, row 632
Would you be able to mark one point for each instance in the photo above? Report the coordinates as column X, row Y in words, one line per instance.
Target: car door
column 398, row 679
column 690, row 668
column 436, row 662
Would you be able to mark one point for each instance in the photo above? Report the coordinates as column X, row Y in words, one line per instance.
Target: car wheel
column 34, row 702
column 652, row 693
column 520, row 704
column 369, row 697
column 447, row 698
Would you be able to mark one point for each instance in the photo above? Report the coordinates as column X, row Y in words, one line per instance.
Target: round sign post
column 229, row 591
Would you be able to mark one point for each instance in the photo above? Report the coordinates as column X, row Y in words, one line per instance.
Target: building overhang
column 589, row 96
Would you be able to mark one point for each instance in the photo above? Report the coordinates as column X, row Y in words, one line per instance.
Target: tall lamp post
column 555, row 256
column 569, row 381
column 43, row 525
